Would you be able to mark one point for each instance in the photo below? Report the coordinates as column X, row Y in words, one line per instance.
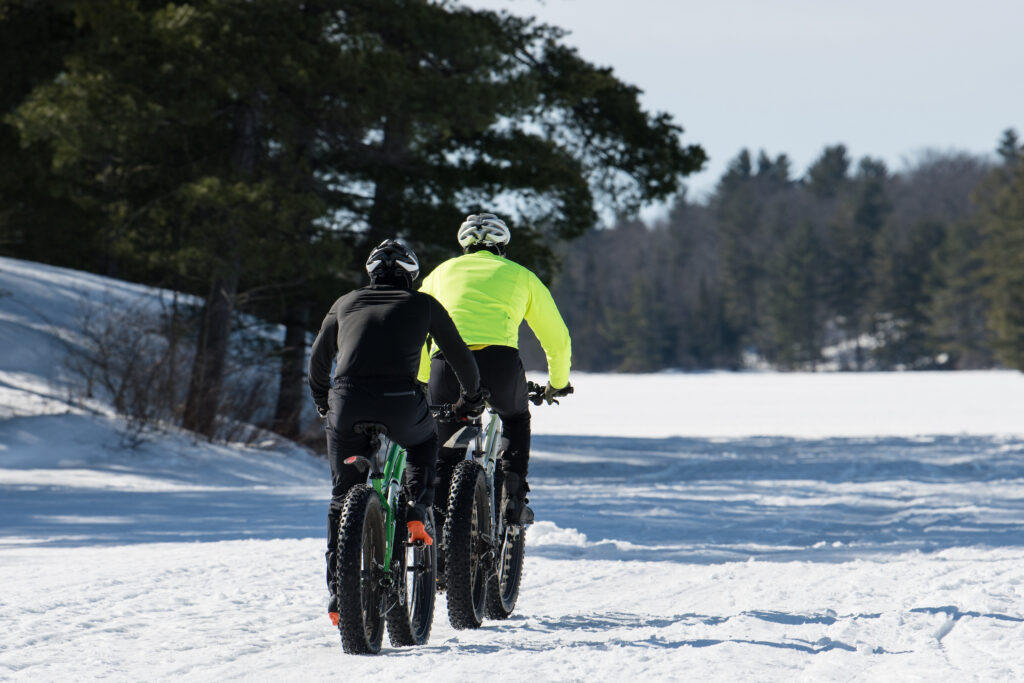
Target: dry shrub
column 137, row 356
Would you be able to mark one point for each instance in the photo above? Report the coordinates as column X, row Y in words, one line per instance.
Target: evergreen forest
column 248, row 154
column 849, row 266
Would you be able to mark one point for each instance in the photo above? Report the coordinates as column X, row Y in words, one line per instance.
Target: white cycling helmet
column 392, row 258
column 484, row 229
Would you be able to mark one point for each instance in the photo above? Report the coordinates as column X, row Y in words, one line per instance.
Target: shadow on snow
column 65, row 481
column 676, row 499
column 59, row 516
column 580, row 625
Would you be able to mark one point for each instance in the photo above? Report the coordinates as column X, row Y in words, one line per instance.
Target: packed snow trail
column 727, row 527
column 873, row 558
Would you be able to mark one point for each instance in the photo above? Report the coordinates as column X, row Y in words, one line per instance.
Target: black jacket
column 378, row 332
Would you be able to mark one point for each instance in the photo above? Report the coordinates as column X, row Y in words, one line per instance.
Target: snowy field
column 690, row 527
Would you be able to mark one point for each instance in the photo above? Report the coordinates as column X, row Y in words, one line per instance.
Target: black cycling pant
column 397, row 403
column 502, row 374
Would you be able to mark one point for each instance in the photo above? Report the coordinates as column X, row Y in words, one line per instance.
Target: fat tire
column 502, row 594
column 359, row 603
column 410, row 619
column 465, row 567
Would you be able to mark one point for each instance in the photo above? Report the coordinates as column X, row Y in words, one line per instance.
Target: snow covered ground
column 691, row 527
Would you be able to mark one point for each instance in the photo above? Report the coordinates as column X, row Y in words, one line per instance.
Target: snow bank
column 722, row 404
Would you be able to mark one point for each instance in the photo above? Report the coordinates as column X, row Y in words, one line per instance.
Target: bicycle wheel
column 360, row 572
column 467, row 555
column 503, row 585
column 415, row 575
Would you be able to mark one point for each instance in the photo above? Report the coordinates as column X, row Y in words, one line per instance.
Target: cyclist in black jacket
column 373, row 335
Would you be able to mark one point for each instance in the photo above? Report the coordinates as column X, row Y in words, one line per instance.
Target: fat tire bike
column 483, row 552
column 379, row 577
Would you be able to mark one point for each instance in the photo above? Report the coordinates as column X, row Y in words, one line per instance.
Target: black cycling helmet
column 393, row 260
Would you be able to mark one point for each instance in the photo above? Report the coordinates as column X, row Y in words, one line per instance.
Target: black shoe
column 514, row 500
column 417, row 512
column 525, row 514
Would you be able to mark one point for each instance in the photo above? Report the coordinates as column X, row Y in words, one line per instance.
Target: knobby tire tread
column 500, row 605
column 359, row 505
column 459, row 545
column 400, row 618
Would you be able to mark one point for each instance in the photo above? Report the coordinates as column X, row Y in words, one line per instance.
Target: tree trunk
column 292, row 388
column 203, row 399
column 292, row 381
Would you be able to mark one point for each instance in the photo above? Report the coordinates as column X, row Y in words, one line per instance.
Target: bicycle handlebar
column 444, row 412
column 535, row 392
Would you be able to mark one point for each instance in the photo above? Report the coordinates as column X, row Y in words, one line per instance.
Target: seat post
column 375, row 431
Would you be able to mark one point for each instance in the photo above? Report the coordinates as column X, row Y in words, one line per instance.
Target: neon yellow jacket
column 487, row 297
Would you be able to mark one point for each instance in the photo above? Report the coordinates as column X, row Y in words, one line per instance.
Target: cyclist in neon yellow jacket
column 487, row 297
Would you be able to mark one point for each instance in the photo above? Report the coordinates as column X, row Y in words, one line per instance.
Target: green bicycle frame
column 388, row 487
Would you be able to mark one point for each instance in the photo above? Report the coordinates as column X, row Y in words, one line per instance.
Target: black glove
column 550, row 393
column 469, row 405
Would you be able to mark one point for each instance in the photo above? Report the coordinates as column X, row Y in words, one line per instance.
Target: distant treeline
column 848, row 267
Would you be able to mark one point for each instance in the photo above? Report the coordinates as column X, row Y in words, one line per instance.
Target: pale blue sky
column 889, row 79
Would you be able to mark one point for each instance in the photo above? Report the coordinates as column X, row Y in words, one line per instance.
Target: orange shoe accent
column 418, row 533
column 335, row 618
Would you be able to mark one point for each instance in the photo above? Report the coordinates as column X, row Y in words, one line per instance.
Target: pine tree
column 795, row 301
column 828, row 173
column 1002, row 256
column 958, row 309
column 856, row 224
column 639, row 334
column 39, row 216
column 901, row 298
column 473, row 105
column 711, row 341
column 1010, row 149
column 174, row 120
column 738, row 213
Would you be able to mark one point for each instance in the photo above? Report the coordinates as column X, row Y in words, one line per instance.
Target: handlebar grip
column 535, row 392
column 442, row 412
